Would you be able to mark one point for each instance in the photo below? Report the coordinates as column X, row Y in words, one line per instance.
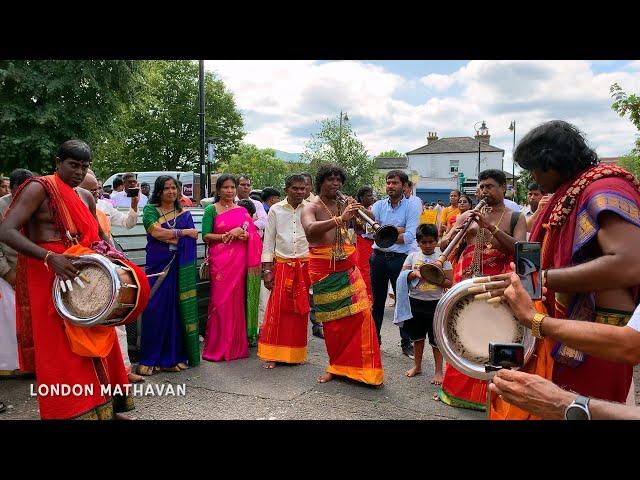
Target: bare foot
column 269, row 365
column 437, row 379
column 327, row 377
column 120, row 416
column 135, row 378
column 413, row 372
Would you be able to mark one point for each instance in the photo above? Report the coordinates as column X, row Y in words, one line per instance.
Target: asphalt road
column 242, row 389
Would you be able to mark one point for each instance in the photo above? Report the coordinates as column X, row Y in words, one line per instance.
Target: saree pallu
column 458, row 389
column 170, row 321
column 283, row 336
column 44, row 340
column 364, row 250
column 235, row 288
column 344, row 308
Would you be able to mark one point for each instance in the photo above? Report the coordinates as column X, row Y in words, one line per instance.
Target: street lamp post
column 346, row 119
column 512, row 127
column 203, row 184
column 482, row 131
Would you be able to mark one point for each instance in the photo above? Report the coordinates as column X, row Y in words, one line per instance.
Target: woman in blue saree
column 170, row 322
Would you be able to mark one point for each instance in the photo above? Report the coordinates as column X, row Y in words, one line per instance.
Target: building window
column 453, row 166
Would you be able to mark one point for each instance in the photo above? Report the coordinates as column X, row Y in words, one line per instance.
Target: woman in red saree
column 235, row 249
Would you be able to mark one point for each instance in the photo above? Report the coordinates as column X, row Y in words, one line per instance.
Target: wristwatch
column 578, row 409
column 536, row 323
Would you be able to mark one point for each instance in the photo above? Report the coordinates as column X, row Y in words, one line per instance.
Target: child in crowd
column 423, row 298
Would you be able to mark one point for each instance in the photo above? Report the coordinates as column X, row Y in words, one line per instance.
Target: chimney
column 482, row 135
column 432, row 137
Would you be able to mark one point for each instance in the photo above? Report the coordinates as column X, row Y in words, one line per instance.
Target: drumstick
column 494, row 300
column 84, row 277
column 155, row 274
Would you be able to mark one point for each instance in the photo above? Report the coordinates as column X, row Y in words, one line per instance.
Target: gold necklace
column 489, row 245
column 338, row 253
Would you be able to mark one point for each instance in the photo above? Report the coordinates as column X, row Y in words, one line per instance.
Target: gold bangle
column 496, row 230
column 536, row 323
column 46, row 257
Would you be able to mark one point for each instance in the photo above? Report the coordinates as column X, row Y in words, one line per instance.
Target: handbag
column 204, row 266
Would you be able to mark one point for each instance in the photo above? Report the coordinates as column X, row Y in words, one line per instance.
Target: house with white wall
column 437, row 166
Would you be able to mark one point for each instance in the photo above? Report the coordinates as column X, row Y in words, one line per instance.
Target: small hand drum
column 463, row 328
column 108, row 297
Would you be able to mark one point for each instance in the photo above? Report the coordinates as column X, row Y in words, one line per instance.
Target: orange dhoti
column 343, row 307
column 283, row 336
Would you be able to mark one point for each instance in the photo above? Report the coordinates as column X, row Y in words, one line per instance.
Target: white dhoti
column 121, row 331
column 8, row 340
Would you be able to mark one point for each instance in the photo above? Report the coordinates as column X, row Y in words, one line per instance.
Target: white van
column 188, row 179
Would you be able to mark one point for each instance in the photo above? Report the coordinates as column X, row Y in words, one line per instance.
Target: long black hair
column 158, row 188
column 555, row 145
column 220, row 181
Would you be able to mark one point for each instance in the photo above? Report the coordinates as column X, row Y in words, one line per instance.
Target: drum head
column 463, row 328
column 94, row 299
column 88, row 306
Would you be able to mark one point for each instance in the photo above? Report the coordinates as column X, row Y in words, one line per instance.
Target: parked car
column 190, row 181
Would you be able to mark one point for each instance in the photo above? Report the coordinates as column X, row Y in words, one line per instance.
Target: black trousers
column 385, row 268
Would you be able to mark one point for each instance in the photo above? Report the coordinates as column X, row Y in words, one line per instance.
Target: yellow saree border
column 281, row 353
column 370, row 376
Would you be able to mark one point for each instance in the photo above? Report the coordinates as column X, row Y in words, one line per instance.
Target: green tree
column 160, row 131
column 46, row 102
column 260, row 164
column 390, row 153
column 343, row 148
column 631, row 162
column 523, row 185
column 628, row 104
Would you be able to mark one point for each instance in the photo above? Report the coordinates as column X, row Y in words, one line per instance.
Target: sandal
column 170, row 369
column 144, row 370
column 182, row 366
column 3, row 407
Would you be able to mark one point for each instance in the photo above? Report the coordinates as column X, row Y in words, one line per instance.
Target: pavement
column 243, row 389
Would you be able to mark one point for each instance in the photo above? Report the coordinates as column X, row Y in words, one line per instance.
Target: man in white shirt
column 533, row 197
column 285, row 271
column 120, row 199
column 309, row 179
column 244, row 189
column 109, row 216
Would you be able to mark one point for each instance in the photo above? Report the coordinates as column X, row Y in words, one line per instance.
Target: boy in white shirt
column 424, row 297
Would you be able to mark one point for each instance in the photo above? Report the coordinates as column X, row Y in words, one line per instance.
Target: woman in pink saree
column 235, row 249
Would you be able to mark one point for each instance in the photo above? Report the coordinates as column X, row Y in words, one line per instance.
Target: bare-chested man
column 54, row 215
column 339, row 292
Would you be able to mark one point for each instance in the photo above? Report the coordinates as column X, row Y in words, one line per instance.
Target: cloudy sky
column 393, row 104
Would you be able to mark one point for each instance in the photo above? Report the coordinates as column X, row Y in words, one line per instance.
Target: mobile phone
column 506, row 355
column 132, row 192
column 528, row 268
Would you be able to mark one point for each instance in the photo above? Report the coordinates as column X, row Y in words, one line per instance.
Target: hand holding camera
column 134, row 194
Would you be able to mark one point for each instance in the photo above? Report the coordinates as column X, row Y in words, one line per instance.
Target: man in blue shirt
column 386, row 263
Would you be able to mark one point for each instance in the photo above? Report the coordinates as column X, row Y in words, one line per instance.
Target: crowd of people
column 275, row 264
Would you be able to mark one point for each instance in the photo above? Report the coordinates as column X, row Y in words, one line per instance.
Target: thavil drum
column 464, row 326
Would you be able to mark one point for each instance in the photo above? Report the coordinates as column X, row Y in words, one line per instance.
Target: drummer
column 54, row 216
column 490, row 246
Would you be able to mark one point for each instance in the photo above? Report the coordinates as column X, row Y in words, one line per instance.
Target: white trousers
column 264, row 298
column 8, row 340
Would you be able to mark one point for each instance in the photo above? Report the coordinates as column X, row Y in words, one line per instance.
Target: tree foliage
column 160, row 130
column 344, row 148
column 46, row 102
column 390, row 153
column 631, row 162
column 627, row 104
column 261, row 165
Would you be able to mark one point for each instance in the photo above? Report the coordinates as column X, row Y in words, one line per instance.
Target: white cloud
column 284, row 99
column 437, row 81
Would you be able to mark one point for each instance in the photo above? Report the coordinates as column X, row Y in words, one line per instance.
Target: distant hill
column 288, row 157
